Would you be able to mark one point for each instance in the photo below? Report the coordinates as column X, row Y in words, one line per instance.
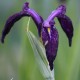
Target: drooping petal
column 25, row 12
column 64, row 20
column 50, row 41
column 10, row 22
column 67, row 26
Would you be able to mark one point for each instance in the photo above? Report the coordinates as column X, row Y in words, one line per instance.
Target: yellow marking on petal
column 48, row 30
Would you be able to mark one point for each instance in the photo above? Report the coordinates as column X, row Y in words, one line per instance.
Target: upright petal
column 64, row 20
column 60, row 10
column 10, row 22
column 35, row 16
column 67, row 26
column 25, row 6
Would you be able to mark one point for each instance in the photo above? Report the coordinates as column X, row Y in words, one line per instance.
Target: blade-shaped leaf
column 39, row 52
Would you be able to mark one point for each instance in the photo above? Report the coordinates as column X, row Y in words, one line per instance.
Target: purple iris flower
column 46, row 28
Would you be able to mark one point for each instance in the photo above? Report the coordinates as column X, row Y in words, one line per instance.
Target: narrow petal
column 67, row 27
column 25, row 6
column 60, row 10
column 50, row 41
column 25, row 12
column 35, row 16
column 10, row 22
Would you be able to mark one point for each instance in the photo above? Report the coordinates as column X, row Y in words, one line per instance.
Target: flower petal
column 25, row 6
column 60, row 10
column 50, row 41
column 67, row 27
column 35, row 16
column 10, row 22
column 25, row 12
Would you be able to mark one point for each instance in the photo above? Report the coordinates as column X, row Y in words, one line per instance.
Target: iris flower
column 46, row 28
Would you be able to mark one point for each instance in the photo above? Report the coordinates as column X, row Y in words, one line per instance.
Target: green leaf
column 39, row 52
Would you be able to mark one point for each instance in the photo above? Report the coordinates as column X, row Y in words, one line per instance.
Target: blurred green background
column 17, row 60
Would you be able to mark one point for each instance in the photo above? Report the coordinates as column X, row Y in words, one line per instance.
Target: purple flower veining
column 46, row 28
